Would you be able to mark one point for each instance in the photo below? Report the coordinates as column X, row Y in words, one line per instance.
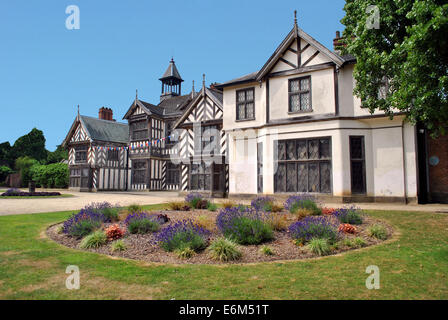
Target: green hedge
column 4, row 171
column 53, row 175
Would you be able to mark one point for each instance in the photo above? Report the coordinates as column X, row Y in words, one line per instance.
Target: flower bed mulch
column 142, row 247
column 31, row 194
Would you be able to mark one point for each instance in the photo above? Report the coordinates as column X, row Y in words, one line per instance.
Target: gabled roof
column 175, row 104
column 213, row 94
column 100, row 130
column 171, row 72
column 272, row 61
column 292, row 35
column 147, row 107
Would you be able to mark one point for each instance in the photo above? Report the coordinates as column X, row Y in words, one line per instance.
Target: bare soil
column 142, row 247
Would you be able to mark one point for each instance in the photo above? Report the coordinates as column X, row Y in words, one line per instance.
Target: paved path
column 81, row 199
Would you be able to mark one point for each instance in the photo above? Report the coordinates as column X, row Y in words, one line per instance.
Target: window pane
column 241, row 96
column 280, row 178
column 313, row 149
column 324, row 146
column 291, row 177
column 305, row 84
column 281, row 151
column 293, row 85
column 194, row 182
column 358, row 177
column 250, row 95
column 305, row 101
column 290, row 150
column 250, row 110
column 301, row 150
column 206, row 182
column 356, row 147
column 241, row 111
column 325, row 177
column 294, row 104
column 313, row 177
column 302, row 177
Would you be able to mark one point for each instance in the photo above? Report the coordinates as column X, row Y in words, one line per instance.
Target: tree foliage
column 58, row 155
column 53, row 175
column 24, row 164
column 31, row 145
column 406, row 58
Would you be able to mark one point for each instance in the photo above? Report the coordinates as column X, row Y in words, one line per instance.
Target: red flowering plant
column 328, row 211
column 347, row 228
column 114, row 232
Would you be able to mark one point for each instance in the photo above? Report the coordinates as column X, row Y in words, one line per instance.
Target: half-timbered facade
column 97, row 153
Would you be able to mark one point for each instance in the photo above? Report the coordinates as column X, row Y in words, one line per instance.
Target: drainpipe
column 404, row 164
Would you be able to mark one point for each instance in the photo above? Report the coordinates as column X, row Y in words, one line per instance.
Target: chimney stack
column 337, row 42
column 105, row 114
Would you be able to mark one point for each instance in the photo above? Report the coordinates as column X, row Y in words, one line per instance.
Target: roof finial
column 295, row 17
column 136, row 94
column 78, row 111
column 203, row 80
column 192, row 90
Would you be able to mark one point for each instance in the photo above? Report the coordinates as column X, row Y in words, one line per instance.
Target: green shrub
column 223, row 249
column 23, row 165
column 135, row 208
column 212, row 206
column 377, row 231
column 111, row 214
column 266, row 251
column 84, row 227
column 184, row 253
column 357, row 242
column 94, row 240
column 186, row 239
column 251, row 231
column 302, row 202
column 53, row 175
column 142, row 226
column 118, row 245
column 4, row 172
column 319, row 246
column 349, row 215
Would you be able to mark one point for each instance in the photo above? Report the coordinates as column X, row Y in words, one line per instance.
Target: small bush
column 196, row 201
column 377, row 231
column 314, row 227
column 118, row 245
column 176, row 205
column 347, row 228
column 212, row 206
column 302, row 213
column 142, row 223
column 244, row 226
column 278, row 221
column 266, row 251
column 83, row 223
column 350, row 215
column 183, row 234
column 357, row 242
column 319, row 246
column 206, row 222
column 109, row 212
column 273, row 207
column 114, row 232
column 223, row 249
column 264, row 203
column 94, row 240
column 135, row 208
column 228, row 204
column 184, row 253
column 295, row 203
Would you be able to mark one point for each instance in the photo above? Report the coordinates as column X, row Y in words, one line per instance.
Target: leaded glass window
column 300, row 94
column 303, row 165
column 139, row 172
column 245, row 104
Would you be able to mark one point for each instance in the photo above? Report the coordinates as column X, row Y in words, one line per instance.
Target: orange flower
column 347, row 228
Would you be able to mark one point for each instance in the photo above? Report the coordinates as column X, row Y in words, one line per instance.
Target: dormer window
column 245, row 104
column 299, row 91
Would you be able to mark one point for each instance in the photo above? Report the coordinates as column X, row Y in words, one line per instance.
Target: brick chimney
column 337, row 42
column 105, row 114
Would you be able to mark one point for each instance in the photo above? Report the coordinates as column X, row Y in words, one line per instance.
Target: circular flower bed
column 233, row 234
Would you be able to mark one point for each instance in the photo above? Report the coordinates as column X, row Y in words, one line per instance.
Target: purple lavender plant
column 11, row 192
column 303, row 201
column 181, row 235
column 192, row 196
column 109, row 211
column 143, row 222
column 260, row 203
column 83, row 223
column 314, row 227
column 351, row 215
column 245, row 225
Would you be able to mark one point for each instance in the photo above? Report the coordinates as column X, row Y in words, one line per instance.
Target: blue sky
column 47, row 70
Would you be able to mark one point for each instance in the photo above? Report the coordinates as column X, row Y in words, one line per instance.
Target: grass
column 63, row 195
column 412, row 266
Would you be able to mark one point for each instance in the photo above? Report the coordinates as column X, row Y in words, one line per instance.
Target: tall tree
column 30, row 145
column 402, row 58
column 5, row 155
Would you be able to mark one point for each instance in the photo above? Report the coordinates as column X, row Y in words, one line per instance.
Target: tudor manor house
column 293, row 126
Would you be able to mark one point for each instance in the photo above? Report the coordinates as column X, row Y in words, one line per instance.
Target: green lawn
column 414, row 265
